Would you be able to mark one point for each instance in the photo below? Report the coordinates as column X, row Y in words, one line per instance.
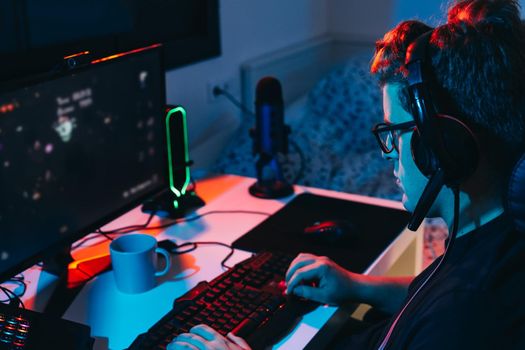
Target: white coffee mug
column 134, row 261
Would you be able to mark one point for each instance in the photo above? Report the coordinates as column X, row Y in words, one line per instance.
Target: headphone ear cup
column 457, row 150
column 422, row 155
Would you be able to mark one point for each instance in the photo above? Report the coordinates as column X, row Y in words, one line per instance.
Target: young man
column 473, row 299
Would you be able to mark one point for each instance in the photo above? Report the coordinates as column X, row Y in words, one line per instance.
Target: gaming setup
column 80, row 147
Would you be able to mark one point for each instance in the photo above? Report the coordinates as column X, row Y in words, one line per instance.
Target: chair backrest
column 516, row 195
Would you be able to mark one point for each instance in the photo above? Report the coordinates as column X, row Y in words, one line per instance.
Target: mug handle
column 167, row 256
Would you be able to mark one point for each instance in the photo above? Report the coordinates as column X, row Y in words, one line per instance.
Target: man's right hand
column 320, row 279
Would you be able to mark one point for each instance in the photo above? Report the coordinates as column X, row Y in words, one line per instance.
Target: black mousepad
column 375, row 228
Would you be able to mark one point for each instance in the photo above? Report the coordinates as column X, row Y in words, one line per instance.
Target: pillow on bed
column 349, row 100
column 335, row 133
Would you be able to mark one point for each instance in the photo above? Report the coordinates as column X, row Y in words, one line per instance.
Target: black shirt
column 476, row 300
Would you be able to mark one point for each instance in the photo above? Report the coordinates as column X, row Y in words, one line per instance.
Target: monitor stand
column 162, row 204
column 61, row 297
column 72, row 276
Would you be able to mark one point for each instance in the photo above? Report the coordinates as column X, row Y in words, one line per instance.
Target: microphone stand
column 270, row 180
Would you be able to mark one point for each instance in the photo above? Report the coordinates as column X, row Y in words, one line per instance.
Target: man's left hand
column 202, row 337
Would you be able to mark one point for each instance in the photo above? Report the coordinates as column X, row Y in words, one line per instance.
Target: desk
column 118, row 318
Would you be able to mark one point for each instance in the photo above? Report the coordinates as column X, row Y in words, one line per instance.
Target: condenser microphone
column 270, row 137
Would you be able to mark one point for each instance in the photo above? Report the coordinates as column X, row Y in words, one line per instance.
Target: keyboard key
column 193, row 309
column 245, row 328
column 205, row 313
column 209, row 296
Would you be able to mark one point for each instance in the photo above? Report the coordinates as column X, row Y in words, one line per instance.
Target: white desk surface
column 117, row 318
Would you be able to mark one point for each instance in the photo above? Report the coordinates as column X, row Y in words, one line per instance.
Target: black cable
column 194, row 245
column 107, row 236
column 107, row 233
column 85, row 240
column 196, row 217
column 19, row 280
column 12, row 296
column 20, row 283
column 199, row 216
column 8, row 294
column 217, row 91
column 128, row 229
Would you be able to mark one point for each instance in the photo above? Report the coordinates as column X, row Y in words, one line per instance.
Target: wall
column 249, row 28
column 367, row 19
column 372, row 18
column 432, row 12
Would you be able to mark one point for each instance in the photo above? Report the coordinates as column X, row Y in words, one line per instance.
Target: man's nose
column 390, row 156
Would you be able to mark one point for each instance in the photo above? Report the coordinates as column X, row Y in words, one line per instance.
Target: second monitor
column 77, row 150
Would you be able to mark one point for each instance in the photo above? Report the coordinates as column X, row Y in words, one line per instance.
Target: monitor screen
column 37, row 34
column 76, row 151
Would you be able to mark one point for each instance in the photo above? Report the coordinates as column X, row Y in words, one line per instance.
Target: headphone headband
column 443, row 147
column 417, row 51
column 421, row 103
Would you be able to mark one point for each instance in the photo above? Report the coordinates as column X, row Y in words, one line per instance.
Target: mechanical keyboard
column 14, row 330
column 247, row 300
column 22, row 329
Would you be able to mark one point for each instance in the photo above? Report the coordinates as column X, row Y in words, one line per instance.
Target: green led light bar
column 179, row 189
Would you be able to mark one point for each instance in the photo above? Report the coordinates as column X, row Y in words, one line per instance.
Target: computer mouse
column 330, row 231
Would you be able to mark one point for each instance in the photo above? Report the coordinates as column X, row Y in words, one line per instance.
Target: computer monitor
column 77, row 150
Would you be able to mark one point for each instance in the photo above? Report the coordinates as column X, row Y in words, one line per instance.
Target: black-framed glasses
column 387, row 135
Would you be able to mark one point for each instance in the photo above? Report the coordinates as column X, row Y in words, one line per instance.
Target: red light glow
column 77, row 54
column 6, row 108
column 107, row 58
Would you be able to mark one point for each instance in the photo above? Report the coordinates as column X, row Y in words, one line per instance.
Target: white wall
column 367, row 19
column 431, row 11
column 249, row 28
column 370, row 19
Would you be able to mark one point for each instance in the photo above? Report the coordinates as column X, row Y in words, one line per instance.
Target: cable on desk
column 199, row 216
column 193, row 218
column 107, row 233
column 131, row 228
column 194, row 245
column 12, row 297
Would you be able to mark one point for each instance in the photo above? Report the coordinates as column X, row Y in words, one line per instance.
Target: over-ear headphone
column 444, row 148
